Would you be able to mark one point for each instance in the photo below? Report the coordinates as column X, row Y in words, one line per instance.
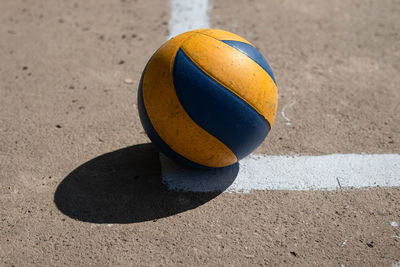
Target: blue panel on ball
column 252, row 53
column 216, row 109
column 153, row 135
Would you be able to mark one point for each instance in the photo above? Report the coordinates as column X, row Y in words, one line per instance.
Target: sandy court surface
column 80, row 185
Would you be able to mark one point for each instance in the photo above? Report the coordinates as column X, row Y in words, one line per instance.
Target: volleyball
column 207, row 98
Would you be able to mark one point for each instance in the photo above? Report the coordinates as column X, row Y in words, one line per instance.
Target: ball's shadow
column 124, row 186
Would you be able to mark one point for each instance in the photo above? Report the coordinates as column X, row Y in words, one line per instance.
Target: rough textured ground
column 72, row 194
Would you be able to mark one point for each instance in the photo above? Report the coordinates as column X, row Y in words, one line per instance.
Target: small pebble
column 394, row 224
column 128, row 81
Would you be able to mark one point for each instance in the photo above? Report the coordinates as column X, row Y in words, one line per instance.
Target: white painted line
column 188, row 15
column 262, row 172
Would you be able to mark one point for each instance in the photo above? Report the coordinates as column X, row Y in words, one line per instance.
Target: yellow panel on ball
column 222, row 35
